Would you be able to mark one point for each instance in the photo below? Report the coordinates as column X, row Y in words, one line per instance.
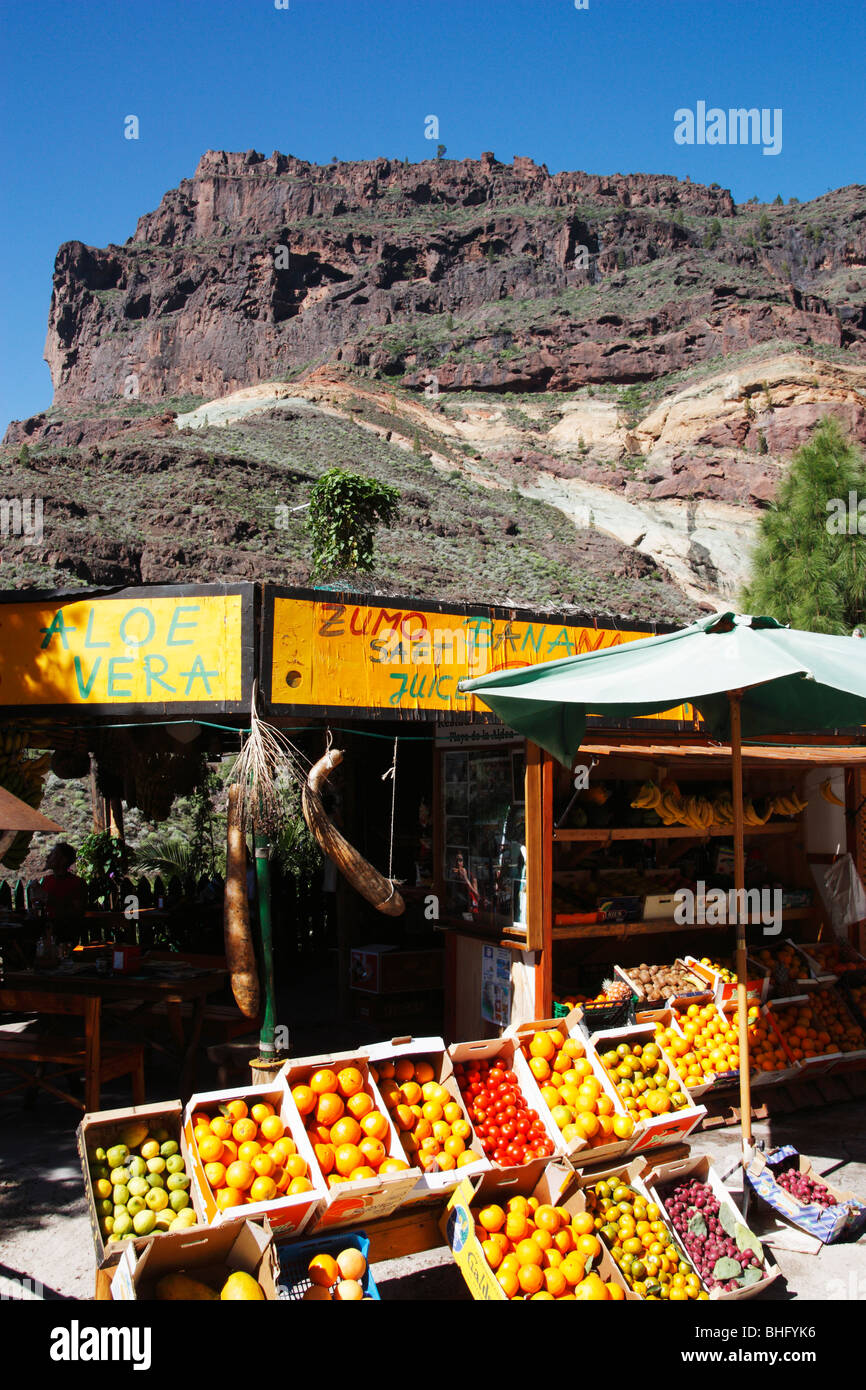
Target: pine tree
column 809, row 570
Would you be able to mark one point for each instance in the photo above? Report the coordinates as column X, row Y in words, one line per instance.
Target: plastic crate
column 293, row 1280
column 613, row 1015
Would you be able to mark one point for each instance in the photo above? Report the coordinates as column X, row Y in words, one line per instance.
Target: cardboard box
column 661, row 1129
column 505, row 1050
column 101, row 1129
column 657, row 1180
column 434, row 1051
column 757, row 985
column 287, row 1215
column 208, row 1254
column 556, row 1185
column 846, row 1220
column 348, row 1203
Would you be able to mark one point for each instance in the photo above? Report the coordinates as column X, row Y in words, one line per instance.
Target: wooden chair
column 98, row 1061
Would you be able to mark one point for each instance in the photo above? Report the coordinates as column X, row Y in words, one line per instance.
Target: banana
column 826, row 790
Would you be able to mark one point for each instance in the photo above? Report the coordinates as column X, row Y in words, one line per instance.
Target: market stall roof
column 17, row 815
column 815, row 755
column 791, row 681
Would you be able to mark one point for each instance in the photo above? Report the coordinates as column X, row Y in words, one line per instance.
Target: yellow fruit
column 180, row 1288
column 241, row 1287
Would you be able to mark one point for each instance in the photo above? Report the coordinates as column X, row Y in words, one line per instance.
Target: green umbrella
column 747, row 676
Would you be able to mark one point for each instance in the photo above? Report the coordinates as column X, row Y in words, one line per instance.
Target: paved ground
column 45, row 1231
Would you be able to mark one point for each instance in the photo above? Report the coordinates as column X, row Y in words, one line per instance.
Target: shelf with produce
column 669, row 832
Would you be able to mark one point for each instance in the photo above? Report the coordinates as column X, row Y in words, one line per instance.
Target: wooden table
column 20, row 992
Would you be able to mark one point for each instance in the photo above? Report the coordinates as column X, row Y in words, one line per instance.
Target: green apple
column 105, row 1206
column 179, row 1200
column 156, row 1165
column 135, row 1205
column 120, row 1194
column 177, row 1182
column 155, row 1180
column 150, row 1149
column 175, row 1163
column 157, row 1199
column 117, row 1156
column 144, row 1222
column 137, row 1167
column 169, row 1147
column 122, row 1225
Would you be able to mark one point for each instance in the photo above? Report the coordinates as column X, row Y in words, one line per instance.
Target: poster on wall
column 496, row 985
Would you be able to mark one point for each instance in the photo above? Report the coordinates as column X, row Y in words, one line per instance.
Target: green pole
column 263, row 882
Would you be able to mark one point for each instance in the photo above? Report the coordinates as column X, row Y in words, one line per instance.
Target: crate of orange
column 701, row 1040
column 530, row 1239
column 556, row 1069
column 355, row 1143
column 416, row 1081
column 637, row 1071
column 251, row 1157
column 820, row 1032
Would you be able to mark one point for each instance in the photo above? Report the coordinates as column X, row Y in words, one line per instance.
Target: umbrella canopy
column 791, row 681
column 17, row 815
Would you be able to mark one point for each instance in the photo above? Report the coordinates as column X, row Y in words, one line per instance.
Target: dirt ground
column 45, row 1230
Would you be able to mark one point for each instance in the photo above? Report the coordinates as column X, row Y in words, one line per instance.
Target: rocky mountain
column 584, row 385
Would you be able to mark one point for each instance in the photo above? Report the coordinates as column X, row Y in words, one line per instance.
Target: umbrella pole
column 734, row 698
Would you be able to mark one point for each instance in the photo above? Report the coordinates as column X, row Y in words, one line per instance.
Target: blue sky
column 593, row 89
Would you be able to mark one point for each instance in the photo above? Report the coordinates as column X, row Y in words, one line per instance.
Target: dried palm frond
column 267, row 765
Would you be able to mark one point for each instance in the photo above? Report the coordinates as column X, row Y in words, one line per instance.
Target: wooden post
column 539, row 897
column 735, row 698
column 92, row 1053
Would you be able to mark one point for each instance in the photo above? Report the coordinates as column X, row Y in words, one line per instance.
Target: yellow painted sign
column 332, row 654
column 185, row 649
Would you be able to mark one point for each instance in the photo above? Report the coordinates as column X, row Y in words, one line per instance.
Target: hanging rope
column 392, row 773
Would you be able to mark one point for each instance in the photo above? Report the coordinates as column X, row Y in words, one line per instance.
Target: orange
column 516, row 1226
column 324, row 1157
column 349, row 1081
column 229, row 1197
column 374, row 1152
column 509, row 1283
column 593, row 1289
column 215, row 1174
column 261, row 1110
column 403, row 1117
column 346, row 1158
column 423, row 1072
column 295, row 1166
column 323, row 1080
column 244, row 1129
column 582, row 1223
column 445, row 1162
column 547, row 1218
column 404, row 1070
column 330, row 1108
column 540, row 1068
column 431, row 1110
column 411, row 1092
column 200, row 1119
column 211, row 1149
column 299, row 1185
column 281, row 1178
column 542, row 1046
column 237, row 1109
column 555, row 1281
column 239, row 1175
column 363, row 1173
column 230, row 1151
column 385, row 1070
column 615, row 1292
column 272, row 1128
column 221, row 1127
column 531, row 1279
column 492, row 1218
column 304, row 1098
column 623, row 1126
column 359, row 1105
column 249, row 1150
column 589, row 1245
column 346, row 1131
column 393, row 1165
column 454, row 1145
column 264, row 1165
column 492, row 1253
column 529, row 1252
column 263, row 1190
column 374, row 1125
column 323, row 1271
column 573, row 1268
column 283, row 1148
column 467, row 1156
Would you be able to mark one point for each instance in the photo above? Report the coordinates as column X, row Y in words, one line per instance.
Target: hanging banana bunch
column 826, row 790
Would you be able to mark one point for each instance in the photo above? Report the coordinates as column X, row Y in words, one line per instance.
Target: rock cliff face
column 488, row 276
